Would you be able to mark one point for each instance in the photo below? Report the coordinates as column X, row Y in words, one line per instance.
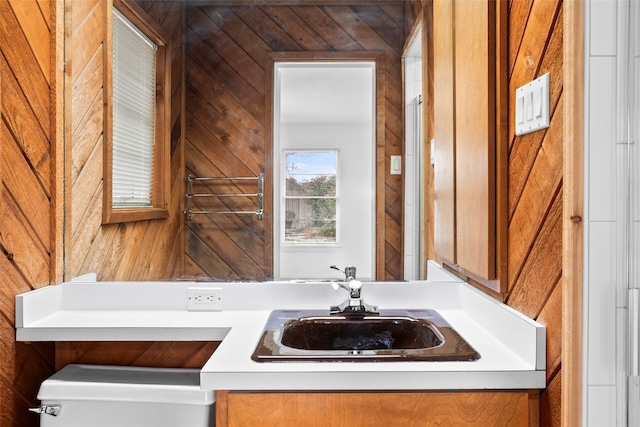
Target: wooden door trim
column 573, row 213
column 380, row 152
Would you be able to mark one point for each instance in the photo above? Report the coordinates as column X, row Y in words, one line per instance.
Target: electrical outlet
column 204, row 299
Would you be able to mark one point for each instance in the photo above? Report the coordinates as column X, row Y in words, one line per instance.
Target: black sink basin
column 369, row 333
column 394, row 335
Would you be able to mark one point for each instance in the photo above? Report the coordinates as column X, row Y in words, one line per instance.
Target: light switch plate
column 396, row 165
column 532, row 106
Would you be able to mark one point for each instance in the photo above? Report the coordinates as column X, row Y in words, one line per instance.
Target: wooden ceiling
column 288, row 2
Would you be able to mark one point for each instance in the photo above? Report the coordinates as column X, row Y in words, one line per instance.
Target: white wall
column 412, row 161
column 607, row 228
column 356, row 194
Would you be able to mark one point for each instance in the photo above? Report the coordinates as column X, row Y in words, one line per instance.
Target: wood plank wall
column 27, row 178
column 143, row 250
column 535, row 184
column 535, row 168
column 146, row 250
column 227, row 49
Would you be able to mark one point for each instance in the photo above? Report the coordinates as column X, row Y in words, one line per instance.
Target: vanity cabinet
column 469, row 150
column 377, row 409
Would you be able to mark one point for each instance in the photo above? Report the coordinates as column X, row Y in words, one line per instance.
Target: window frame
column 160, row 173
column 284, row 197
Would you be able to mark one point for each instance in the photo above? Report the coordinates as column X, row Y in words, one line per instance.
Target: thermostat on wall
column 532, row 106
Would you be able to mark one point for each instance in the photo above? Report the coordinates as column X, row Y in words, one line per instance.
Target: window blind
column 134, row 84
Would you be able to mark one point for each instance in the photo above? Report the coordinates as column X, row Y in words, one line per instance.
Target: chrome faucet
column 354, row 306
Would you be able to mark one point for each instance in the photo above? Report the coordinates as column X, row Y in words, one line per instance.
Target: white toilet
column 118, row 396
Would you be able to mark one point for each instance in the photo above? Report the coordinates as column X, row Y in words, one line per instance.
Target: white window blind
column 134, row 87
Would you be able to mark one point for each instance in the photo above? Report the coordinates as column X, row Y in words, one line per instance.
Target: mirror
column 220, row 57
column 226, row 49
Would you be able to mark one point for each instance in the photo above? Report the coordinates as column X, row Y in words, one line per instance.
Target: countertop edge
column 97, row 311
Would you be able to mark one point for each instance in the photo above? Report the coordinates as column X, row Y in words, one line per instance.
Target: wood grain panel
column 25, row 68
column 475, row 137
column 227, row 47
column 175, row 354
column 24, row 127
column 327, row 29
column 19, row 358
column 20, row 244
column 25, row 187
column 550, row 406
column 536, row 187
column 374, row 409
column 573, row 229
column 535, row 161
column 444, row 132
column 551, row 318
column 87, row 21
column 518, row 19
column 23, row 367
column 12, row 285
column 544, row 265
column 231, row 51
column 88, row 139
column 543, row 182
column 87, row 87
column 144, row 250
column 26, row 190
column 523, row 154
column 138, row 250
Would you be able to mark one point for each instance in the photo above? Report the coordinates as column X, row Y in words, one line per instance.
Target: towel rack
column 189, row 195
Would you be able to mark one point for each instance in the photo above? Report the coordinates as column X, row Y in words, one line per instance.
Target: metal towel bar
column 189, row 195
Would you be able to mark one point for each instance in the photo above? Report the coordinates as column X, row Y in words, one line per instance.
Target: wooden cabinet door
column 516, row 408
column 475, row 124
column 444, row 209
column 464, row 105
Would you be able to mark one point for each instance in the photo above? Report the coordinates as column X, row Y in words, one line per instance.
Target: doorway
column 324, row 135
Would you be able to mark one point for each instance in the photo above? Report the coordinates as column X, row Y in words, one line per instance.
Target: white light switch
column 532, row 106
column 519, row 110
column 396, row 165
column 537, row 102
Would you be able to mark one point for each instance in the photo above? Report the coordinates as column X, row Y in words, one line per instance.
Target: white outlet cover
column 532, row 106
column 204, row 298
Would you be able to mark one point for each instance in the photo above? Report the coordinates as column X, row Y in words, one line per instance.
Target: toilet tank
column 118, row 396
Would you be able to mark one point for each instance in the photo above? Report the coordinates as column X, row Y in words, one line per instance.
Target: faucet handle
column 355, row 284
column 349, row 272
column 354, row 288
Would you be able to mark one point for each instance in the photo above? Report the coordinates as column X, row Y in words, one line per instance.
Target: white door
column 324, row 186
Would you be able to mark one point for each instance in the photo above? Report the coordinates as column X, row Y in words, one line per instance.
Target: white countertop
column 512, row 347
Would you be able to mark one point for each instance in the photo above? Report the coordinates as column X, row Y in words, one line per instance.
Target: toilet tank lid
column 126, row 384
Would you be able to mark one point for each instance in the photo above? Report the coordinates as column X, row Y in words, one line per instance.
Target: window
column 136, row 148
column 310, row 197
